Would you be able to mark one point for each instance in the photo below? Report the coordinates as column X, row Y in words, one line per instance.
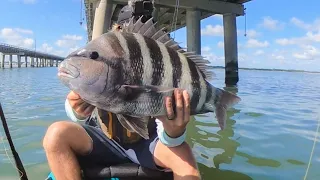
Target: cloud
column 309, row 53
column 254, row 43
column 210, row 30
column 259, row 52
column 24, row 38
column 271, row 24
column 68, row 41
column 220, row 44
column 46, row 48
column 308, row 38
column 17, row 36
column 315, row 26
column 207, row 53
column 252, row 33
column 277, row 57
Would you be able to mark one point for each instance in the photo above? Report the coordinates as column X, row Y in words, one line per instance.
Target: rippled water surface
column 269, row 134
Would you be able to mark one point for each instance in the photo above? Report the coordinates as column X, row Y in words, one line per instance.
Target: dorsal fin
column 149, row 30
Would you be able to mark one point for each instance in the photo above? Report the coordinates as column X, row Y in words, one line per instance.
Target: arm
column 166, row 139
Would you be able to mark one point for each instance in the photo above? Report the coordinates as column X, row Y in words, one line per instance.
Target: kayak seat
column 127, row 171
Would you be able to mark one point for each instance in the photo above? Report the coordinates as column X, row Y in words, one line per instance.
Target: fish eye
column 94, row 55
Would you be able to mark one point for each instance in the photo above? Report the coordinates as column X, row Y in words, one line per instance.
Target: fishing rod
column 19, row 165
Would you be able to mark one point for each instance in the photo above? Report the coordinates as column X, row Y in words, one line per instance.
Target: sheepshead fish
column 130, row 72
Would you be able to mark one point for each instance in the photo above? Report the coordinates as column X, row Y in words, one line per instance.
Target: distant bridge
column 37, row 59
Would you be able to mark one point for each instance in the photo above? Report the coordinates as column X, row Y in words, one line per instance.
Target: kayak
column 121, row 172
column 51, row 177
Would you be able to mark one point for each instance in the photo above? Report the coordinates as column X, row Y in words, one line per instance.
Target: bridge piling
column 193, row 31
column 32, row 61
column 19, row 61
column 2, row 60
column 10, row 60
column 230, row 49
column 26, row 60
column 102, row 18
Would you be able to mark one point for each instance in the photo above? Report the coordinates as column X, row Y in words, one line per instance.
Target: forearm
column 165, row 139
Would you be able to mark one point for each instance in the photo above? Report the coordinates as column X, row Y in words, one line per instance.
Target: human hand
column 173, row 125
column 82, row 108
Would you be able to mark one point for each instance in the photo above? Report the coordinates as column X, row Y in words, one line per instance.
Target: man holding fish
column 135, row 88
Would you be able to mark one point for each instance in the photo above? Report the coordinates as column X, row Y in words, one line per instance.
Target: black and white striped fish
column 130, row 72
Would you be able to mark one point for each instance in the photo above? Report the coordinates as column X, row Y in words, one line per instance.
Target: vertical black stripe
column 114, row 43
column 209, row 92
column 156, row 60
column 176, row 67
column 136, row 58
column 195, row 85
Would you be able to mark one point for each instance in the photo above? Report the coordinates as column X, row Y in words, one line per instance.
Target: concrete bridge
column 37, row 59
column 101, row 14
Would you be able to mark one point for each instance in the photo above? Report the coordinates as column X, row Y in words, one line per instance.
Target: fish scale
column 140, row 66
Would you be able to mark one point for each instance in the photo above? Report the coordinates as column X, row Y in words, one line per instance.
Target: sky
column 279, row 35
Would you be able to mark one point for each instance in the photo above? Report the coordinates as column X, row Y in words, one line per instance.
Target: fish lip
column 68, row 70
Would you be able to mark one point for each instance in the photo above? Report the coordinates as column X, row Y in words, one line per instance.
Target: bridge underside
column 101, row 14
column 165, row 11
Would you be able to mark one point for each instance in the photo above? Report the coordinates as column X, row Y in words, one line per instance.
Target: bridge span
column 36, row 59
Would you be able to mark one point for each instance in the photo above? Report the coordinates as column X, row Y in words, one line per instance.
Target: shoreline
column 267, row 69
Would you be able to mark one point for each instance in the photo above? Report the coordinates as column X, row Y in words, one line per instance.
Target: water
column 269, row 133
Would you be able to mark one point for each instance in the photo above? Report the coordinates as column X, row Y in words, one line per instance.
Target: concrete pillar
column 57, row 62
column 19, row 61
column 193, row 31
column 3, row 60
column 32, row 61
column 230, row 49
column 102, row 18
column 10, row 60
column 37, row 62
column 26, row 60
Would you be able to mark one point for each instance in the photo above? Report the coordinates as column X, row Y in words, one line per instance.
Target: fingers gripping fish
column 130, row 71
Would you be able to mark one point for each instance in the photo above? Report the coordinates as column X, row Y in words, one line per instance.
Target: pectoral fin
column 135, row 124
column 134, row 91
column 146, row 100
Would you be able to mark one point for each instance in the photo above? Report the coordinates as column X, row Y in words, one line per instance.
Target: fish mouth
column 68, row 70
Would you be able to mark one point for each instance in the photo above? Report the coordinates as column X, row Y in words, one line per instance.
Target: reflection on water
column 269, row 134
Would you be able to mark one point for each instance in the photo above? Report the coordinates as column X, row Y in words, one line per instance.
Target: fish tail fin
column 219, row 103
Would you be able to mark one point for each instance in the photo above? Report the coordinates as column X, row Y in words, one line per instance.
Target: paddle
column 19, row 165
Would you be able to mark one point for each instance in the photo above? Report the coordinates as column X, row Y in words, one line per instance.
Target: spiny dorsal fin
column 149, row 30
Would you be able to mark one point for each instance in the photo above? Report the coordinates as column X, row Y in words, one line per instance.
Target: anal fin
column 135, row 124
